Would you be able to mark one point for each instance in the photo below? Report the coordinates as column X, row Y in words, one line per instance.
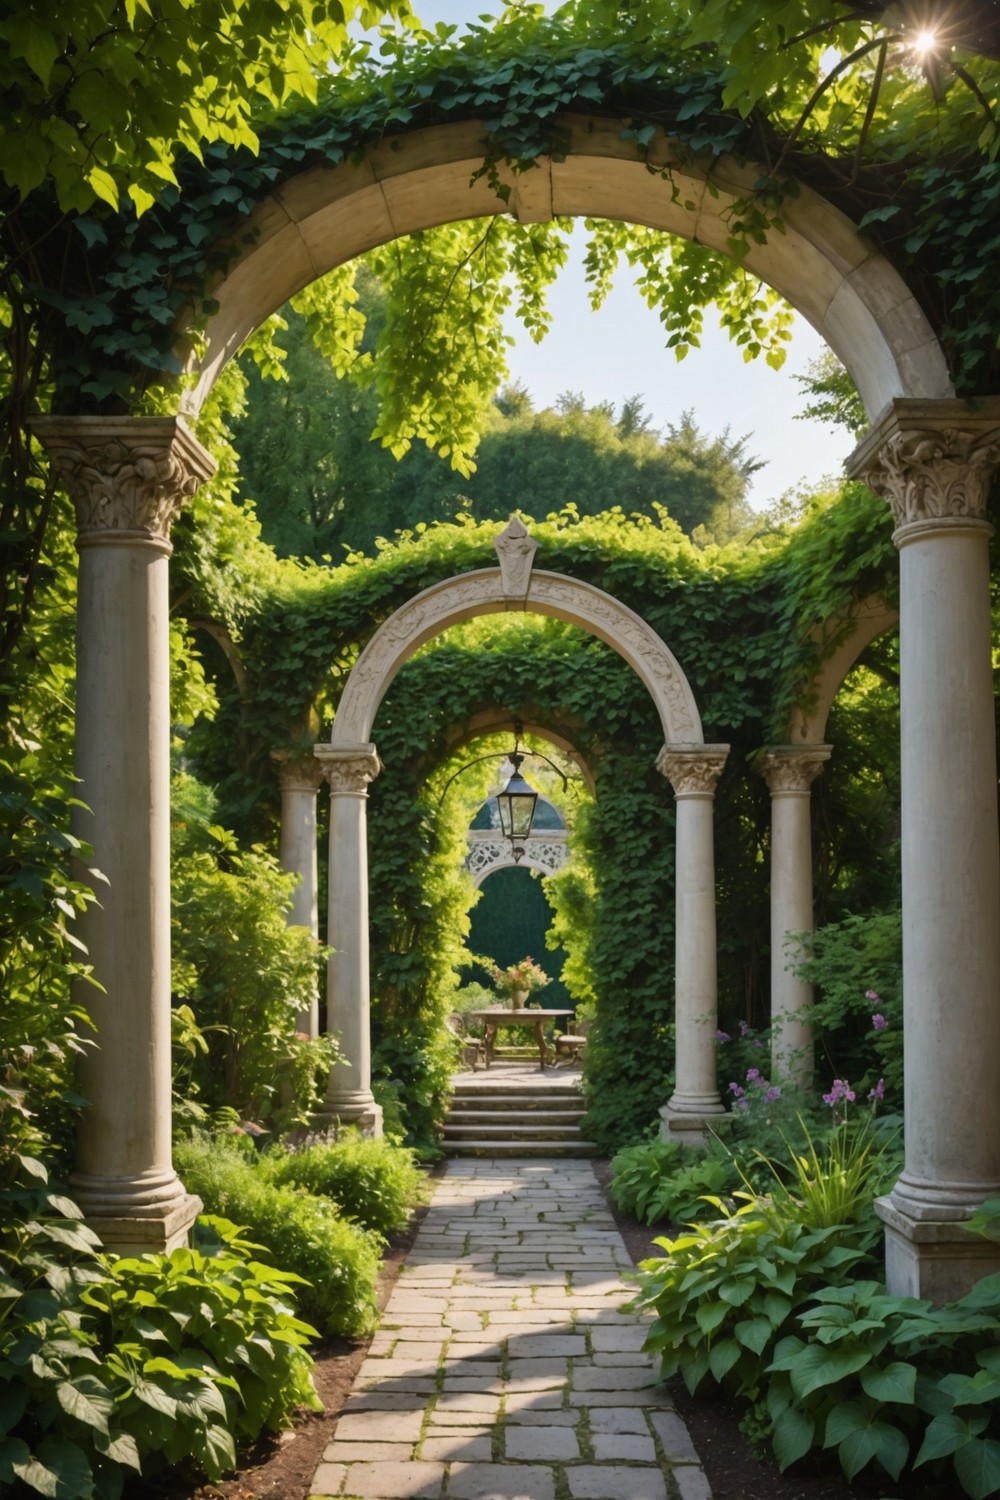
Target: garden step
column 489, row 1117
column 499, row 1104
column 512, row 1130
column 520, row 1148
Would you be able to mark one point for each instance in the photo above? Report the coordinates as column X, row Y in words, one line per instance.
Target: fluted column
column 790, row 771
column 349, row 769
column 128, row 477
column 932, row 461
column 299, row 777
column 693, row 771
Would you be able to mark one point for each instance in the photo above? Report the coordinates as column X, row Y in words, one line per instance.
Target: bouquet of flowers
column 518, row 979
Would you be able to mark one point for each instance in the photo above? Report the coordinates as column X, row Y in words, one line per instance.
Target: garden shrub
column 338, row 1261
column 373, row 1182
column 658, row 1181
column 114, row 1365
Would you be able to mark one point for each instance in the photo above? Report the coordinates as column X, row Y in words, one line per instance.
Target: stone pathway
column 504, row 1367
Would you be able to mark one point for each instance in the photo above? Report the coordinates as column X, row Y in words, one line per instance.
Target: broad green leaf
column 977, row 1465
column 945, row 1434
column 754, row 1333
column 58, row 1470
column 722, row 1357
column 818, row 1365
column 793, row 1436
column 897, row 1382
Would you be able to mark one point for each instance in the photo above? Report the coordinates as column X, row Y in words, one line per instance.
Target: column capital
column 932, row 461
column 692, row 770
column 348, row 768
column 298, row 770
column 128, row 476
column 790, row 770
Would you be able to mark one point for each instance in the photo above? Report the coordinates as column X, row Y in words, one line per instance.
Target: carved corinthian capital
column 348, row 768
column 692, row 770
column 126, row 475
column 792, row 770
column 297, row 771
column 932, row 460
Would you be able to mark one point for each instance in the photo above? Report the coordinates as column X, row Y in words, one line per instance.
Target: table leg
column 540, row 1039
column 491, row 1033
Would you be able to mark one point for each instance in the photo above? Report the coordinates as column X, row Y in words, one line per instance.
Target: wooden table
column 498, row 1016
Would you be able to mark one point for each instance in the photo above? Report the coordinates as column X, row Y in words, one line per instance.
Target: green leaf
column 793, row 1435
column 977, row 1465
column 819, row 1365
column 77, row 1404
column 755, row 1333
column 897, row 1382
column 946, row 1434
column 722, row 1357
column 58, row 1470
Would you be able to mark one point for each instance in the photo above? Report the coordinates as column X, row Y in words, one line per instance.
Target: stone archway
column 350, row 762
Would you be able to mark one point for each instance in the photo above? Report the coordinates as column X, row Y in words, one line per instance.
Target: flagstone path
column 505, row 1367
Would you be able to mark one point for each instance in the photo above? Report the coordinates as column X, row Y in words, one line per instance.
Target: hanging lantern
column 516, row 803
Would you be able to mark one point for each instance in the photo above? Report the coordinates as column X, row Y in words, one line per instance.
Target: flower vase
column 517, row 999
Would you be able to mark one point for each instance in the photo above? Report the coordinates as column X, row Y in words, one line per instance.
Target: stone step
column 494, row 1104
column 488, row 1118
column 520, row 1148
column 514, row 1130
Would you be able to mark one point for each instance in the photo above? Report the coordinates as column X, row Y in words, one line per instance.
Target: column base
column 363, row 1113
column 693, row 1126
column 934, row 1259
column 151, row 1213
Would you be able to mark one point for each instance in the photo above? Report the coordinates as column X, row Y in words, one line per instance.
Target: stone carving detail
column 348, row 771
column 793, row 771
column 516, row 550
column 928, row 476
column 125, row 475
column 297, row 772
column 489, row 854
column 694, row 772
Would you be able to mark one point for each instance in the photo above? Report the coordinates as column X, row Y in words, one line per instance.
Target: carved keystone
column 516, row 550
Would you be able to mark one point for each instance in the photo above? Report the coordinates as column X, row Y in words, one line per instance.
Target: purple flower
column 872, row 995
column 757, row 1043
column 735, row 1090
column 744, row 1029
column 772, row 1094
column 878, row 1092
column 841, row 1090
column 879, row 1022
column 753, row 1075
column 723, row 1036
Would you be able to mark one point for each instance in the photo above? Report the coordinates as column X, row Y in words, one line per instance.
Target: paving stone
column 500, row 1482
column 691, row 1481
column 348, row 1453
column 615, row 1482
column 548, row 1345
column 545, row 1370
column 468, row 1401
column 632, row 1359
column 477, row 1421
column 533, row 1400
column 617, row 1340
column 612, row 1378
column 674, row 1436
column 549, row 1445
column 654, row 1396
column 327, row 1480
column 389, row 1481
column 532, row 1417
column 380, row 1427
column 375, row 1400
column 616, row 1419
column 609, row 1446
column 458, row 1446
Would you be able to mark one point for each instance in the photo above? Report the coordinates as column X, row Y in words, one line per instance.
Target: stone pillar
column 790, row 771
column 300, row 777
column 932, row 461
column 349, row 1098
column 694, row 1106
column 128, row 477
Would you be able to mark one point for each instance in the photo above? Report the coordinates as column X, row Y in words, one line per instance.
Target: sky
column 619, row 352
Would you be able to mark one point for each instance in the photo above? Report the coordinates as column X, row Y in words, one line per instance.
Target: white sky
column 619, row 352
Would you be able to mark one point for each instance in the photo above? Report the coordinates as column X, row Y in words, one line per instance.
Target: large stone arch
column 350, row 763
column 821, row 264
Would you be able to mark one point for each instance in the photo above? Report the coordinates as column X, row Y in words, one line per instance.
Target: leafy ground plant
column 375, row 1183
column 658, row 1182
column 109, row 1366
column 337, row 1261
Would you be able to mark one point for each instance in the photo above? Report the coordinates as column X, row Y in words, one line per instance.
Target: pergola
column 929, row 454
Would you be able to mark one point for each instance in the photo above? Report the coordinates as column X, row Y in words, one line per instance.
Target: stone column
column 128, row 477
column 300, row 777
column 790, row 771
column 694, row 1106
column 349, row 769
column 932, row 461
